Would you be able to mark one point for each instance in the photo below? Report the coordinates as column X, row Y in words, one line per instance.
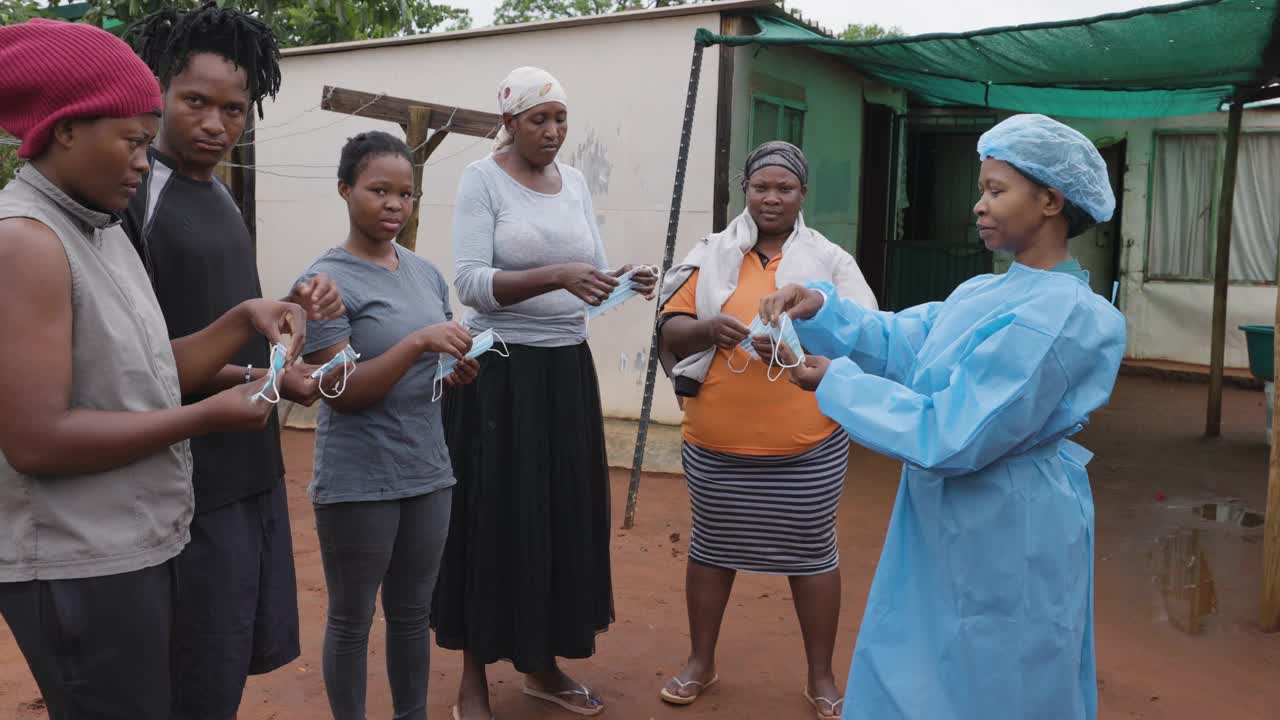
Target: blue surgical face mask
column 346, row 357
column 480, row 344
column 271, row 391
column 757, row 327
column 622, row 293
column 784, row 333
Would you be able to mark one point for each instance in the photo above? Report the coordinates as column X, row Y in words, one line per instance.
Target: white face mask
column 480, row 345
column 271, row 391
column 346, row 357
column 784, row 333
column 622, row 293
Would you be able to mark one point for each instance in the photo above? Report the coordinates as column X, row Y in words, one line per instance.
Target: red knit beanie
column 52, row 70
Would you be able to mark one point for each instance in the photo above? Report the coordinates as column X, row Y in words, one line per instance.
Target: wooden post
column 729, row 25
column 416, row 132
column 1221, row 272
column 1271, row 542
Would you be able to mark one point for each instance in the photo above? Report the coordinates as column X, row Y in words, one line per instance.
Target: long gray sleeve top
column 499, row 224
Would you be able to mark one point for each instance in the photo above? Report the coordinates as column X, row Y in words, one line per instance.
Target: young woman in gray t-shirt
column 382, row 481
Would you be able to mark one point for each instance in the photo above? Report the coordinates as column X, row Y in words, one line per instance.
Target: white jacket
column 807, row 257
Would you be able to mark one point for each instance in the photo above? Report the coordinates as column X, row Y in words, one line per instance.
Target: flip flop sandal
column 674, row 699
column 835, row 712
column 456, row 716
column 558, row 699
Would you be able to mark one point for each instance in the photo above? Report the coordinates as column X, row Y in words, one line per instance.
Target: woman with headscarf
column 982, row 604
column 765, row 468
column 525, row 575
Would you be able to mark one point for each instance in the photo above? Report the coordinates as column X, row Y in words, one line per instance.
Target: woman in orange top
column 765, row 467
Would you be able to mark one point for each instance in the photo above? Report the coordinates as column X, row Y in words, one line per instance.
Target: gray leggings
column 395, row 544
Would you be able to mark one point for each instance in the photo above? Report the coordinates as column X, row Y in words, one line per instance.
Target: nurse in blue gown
column 982, row 604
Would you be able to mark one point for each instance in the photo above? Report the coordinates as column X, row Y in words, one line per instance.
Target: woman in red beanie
column 95, row 472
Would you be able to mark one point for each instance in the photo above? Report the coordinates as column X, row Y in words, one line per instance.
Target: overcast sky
column 913, row 16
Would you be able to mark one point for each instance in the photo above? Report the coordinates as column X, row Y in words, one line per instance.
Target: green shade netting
column 1161, row 61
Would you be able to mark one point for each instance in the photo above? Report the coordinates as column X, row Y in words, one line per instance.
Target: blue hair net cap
column 1056, row 156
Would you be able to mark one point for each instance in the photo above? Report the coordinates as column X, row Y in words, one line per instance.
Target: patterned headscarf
column 525, row 88
column 776, row 154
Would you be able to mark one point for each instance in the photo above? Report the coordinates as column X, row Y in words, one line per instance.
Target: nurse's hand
column 808, row 375
column 799, row 302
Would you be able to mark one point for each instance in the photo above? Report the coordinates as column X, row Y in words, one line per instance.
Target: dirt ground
column 1152, row 468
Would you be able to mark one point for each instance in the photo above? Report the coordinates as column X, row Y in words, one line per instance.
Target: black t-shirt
column 197, row 250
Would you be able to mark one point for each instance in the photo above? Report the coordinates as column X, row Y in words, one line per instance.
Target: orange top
column 745, row 413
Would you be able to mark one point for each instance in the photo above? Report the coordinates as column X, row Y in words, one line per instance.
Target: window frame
column 781, row 104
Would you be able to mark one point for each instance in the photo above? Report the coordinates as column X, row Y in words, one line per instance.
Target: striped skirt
column 767, row 514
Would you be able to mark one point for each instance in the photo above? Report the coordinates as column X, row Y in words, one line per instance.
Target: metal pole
column 1221, row 271
column 673, row 224
column 1271, row 534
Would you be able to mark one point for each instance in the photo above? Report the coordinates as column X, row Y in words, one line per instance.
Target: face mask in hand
column 757, row 328
column 346, row 357
column 784, row 333
column 480, row 345
column 271, row 392
column 622, row 293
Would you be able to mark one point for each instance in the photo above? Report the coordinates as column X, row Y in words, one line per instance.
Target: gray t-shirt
column 394, row 448
column 499, row 224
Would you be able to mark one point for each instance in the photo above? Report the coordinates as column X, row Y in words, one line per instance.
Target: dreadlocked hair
column 166, row 40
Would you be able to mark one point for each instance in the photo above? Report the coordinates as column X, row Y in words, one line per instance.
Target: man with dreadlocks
column 237, row 612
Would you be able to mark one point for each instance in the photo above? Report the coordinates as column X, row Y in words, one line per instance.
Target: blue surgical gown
column 982, row 604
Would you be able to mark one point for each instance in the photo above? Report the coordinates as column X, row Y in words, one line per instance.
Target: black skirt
column 525, row 575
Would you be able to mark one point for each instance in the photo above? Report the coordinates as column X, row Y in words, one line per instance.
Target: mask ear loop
column 348, row 367
column 773, row 361
column 504, row 352
column 437, row 385
column 729, row 360
column 271, row 380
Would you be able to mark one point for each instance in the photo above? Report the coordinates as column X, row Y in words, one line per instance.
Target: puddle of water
column 1184, row 580
column 1229, row 513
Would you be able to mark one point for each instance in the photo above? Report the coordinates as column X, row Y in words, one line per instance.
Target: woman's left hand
column 808, row 375
column 644, row 279
column 464, row 372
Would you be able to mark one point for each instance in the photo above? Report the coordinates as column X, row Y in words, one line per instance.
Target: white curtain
column 1180, row 244
column 1255, row 227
